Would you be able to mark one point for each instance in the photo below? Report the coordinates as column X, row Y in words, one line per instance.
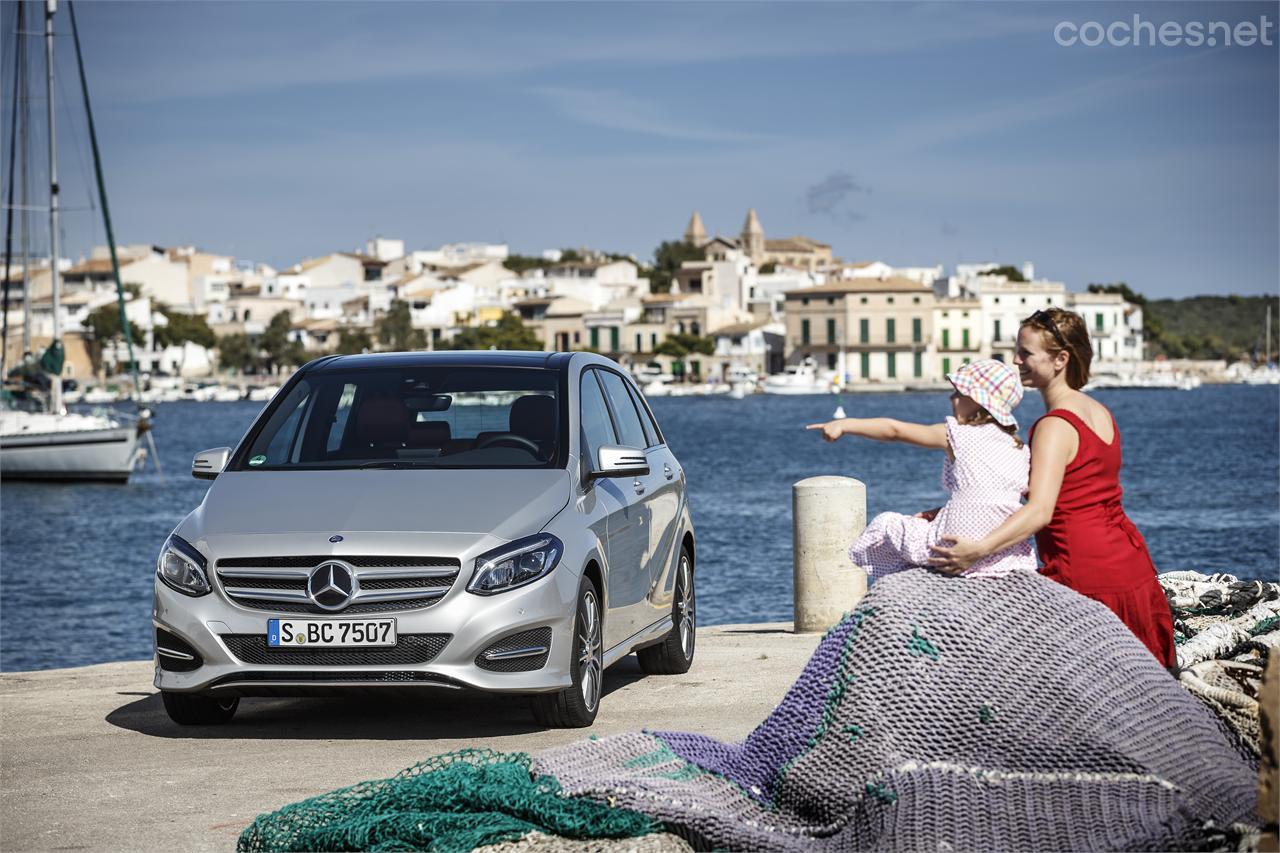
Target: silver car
column 509, row 522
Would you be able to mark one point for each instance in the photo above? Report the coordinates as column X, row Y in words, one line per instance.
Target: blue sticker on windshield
column 258, row 460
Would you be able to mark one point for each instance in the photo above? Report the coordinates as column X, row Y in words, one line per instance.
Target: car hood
column 461, row 504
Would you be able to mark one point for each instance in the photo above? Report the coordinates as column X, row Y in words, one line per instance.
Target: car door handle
column 666, row 470
column 639, row 487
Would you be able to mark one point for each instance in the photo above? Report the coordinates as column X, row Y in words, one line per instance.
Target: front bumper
column 212, row 626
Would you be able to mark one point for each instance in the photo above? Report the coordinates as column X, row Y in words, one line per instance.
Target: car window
column 434, row 416
column 597, row 428
column 651, row 434
column 631, row 433
column 340, row 417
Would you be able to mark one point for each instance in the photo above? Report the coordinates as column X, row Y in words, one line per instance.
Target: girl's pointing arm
column 933, row 436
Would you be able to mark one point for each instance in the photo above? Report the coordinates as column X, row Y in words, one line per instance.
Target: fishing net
column 942, row 714
column 457, row 801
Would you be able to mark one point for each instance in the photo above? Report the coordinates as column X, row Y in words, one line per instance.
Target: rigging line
column 106, row 211
column 36, row 208
column 82, row 159
column 8, row 227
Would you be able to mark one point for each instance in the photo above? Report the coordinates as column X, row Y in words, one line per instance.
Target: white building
column 1115, row 326
column 595, row 284
column 384, row 249
column 927, row 276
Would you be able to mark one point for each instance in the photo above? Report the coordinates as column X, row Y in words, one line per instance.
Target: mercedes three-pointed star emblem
column 332, row 585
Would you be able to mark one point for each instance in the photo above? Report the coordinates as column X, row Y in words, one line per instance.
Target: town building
column 1115, row 326
column 868, row 330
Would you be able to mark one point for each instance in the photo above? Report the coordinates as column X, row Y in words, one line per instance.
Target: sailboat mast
column 24, row 113
column 55, row 396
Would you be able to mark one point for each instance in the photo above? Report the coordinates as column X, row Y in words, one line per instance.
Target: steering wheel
column 513, row 438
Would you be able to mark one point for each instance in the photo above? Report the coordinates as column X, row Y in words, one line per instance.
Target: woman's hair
column 1065, row 331
column 982, row 416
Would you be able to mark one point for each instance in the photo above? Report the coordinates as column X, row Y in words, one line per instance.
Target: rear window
column 421, row 417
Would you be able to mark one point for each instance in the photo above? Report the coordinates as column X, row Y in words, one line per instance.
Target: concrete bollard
column 827, row 515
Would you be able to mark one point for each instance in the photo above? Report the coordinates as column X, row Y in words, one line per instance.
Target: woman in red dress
column 1083, row 536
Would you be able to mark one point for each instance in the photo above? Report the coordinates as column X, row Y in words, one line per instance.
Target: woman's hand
column 831, row 430
column 929, row 514
column 962, row 554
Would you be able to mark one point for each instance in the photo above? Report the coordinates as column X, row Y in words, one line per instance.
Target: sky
column 916, row 134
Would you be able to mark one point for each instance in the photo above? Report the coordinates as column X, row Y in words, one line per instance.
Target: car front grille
column 409, row 649
column 523, row 652
column 279, row 584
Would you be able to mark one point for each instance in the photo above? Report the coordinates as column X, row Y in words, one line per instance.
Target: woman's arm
column 1055, row 445
column 933, row 436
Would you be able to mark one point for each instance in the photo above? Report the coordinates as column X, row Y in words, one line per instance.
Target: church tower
column 696, row 233
column 753, row 237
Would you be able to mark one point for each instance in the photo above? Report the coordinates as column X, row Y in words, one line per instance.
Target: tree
column 103, row 325
column 278, row 350
column 179, row 328
column 1121, row 288
column 395, row 329
column 182, row 328
column 768, row 267
column 667, row 259
column 521, row 264
column 1009, row 272
column 352, row 341
column 508, row 333
column 679, row 345
column 236, row 352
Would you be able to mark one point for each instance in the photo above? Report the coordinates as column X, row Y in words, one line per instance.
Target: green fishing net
column 456, row 801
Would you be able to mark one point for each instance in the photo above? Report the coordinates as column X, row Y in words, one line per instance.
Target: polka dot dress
column 986, row 482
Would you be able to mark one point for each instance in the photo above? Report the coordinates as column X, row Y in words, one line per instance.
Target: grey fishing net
column 947, row 714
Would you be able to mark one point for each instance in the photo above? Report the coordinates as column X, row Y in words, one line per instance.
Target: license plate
column 330, row 633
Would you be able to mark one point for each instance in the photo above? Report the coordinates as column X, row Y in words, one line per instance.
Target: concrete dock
column 90, row 760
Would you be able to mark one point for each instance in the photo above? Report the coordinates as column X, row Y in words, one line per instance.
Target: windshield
column 411, row 417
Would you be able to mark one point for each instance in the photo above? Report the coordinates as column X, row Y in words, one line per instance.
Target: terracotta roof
column 893, row 284
column 663, row 297
column 794, row 244
column 367, row 260
column 326, row 325
column 735, row 330
column 96, row 266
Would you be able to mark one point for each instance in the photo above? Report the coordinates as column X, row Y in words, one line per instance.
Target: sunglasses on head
column 1045, row 319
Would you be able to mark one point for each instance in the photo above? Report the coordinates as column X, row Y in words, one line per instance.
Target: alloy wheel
column 686, row 607
column 589, row 649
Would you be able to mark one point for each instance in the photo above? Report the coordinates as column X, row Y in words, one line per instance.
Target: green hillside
column 1229, row 327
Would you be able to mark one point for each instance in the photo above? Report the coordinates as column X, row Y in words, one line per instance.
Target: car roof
column 468, row 358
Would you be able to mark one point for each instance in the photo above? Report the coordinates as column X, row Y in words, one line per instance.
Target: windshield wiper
column 392, row 463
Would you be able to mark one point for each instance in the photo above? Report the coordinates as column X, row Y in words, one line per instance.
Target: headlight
column 181, row 567
column 516, row 563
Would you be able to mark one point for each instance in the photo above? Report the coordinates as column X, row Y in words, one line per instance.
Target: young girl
column 985, row 473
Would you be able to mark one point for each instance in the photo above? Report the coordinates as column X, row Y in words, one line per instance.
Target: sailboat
column 46, row 442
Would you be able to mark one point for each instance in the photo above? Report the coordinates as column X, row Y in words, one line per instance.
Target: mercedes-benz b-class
column 509, row 522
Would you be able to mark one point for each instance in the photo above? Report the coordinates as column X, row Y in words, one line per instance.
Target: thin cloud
column 829, row 197
column 619, row 111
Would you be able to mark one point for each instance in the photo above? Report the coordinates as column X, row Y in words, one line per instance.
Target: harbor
column 92, row 761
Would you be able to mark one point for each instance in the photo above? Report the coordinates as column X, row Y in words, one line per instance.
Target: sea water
column 1201, row 478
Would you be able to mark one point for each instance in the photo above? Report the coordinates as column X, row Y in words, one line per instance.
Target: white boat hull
column 779, row 388
column 107, row 453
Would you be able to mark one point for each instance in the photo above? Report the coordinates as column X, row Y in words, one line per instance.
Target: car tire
column 193, row 709
column 674, row 655
column 576, row 706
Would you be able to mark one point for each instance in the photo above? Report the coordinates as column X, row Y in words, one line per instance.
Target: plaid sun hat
column 991, row 384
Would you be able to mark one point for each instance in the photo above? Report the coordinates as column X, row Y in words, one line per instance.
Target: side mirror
column 209, row 464
column 617, row 461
